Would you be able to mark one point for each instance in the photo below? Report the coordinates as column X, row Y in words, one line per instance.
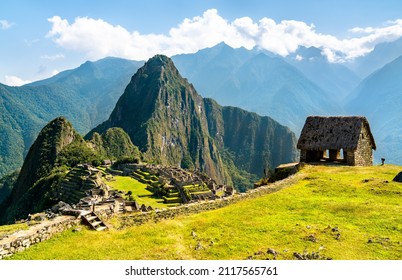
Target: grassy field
column 7, row 229
column 138, row 189
column 335, row 212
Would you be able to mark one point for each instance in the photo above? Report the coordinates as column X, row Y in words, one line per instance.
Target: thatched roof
column 323, row 133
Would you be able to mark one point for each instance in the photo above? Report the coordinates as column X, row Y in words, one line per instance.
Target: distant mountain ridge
column 85, row 95
column 379, row 97
column 258, row 82
column 381, row 55
column 335, row 78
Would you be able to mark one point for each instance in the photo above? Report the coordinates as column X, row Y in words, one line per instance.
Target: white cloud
column 5, row 24
column 299, row 57
column 52, row 57
column 97, row 38
column 15, row 81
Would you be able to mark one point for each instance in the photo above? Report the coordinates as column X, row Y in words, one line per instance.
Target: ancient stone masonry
column 81, row 181
column 198, row 207
column 337, row 139
column 22, row 240
column 177, row 185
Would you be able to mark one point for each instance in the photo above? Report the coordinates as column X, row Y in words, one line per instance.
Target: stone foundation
column 22, row 240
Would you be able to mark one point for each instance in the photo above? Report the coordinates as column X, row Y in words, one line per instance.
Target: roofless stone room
column 346, row 139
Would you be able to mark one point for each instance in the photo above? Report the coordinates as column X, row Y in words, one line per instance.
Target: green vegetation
column 85, row 95
column 8, row 229
column 115, row 144
column 36, row 180
column 139, row 192
column 77, row 152
column 339, row 212
column 173, row 125
column 6, row 184
column 57, row 148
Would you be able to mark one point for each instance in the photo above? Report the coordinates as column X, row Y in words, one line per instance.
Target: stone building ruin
column 345, row 140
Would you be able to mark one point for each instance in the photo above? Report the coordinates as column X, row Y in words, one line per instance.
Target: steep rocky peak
column 42, row 155
column 160, row 64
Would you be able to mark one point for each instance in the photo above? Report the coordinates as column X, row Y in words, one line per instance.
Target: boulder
column 60, row 206
column 398, row 178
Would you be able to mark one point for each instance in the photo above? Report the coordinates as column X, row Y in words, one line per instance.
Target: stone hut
column 337, row 139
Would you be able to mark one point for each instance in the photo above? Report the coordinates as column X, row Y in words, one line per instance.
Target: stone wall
column 22, row 240
column 363, row 156
column 198, row 207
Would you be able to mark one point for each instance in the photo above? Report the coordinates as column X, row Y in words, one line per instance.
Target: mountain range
column 257, row 81
column 306, row 83
column 85, row 95
column 379, row 98
column 173, row 125
column 286, row 89
column 170, row 123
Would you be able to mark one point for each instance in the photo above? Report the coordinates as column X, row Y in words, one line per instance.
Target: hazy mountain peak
column 309, row 53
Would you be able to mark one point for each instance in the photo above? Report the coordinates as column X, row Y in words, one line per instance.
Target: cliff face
column 165, row 117
column 171, row 124
column 248, row 142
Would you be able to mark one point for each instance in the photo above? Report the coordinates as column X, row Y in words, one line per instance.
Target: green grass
column 340, row 212
column 138, row 189
column 8, row 229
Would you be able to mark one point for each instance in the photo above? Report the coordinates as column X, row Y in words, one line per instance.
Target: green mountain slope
column 57, row 148
column 114, row 144
column 29, row 193
column 173, row 125
column 85, row 95
column 248, row 142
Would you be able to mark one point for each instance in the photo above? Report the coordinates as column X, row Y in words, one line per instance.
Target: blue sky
column 41, row 38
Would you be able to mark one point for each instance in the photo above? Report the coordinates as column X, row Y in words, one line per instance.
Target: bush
column 96, row 162
column 76, row 153
column 125, row 160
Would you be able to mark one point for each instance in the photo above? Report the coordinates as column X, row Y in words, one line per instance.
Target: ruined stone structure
column 176, row 178
column 22, row 240
column 337, row 139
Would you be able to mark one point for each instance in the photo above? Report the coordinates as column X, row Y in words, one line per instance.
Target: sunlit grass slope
column 138, row 189
column 339, row 212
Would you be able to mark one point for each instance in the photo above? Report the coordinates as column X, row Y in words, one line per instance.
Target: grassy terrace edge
column 322, row 212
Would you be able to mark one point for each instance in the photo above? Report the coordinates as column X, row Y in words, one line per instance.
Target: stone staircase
column 93, row 221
